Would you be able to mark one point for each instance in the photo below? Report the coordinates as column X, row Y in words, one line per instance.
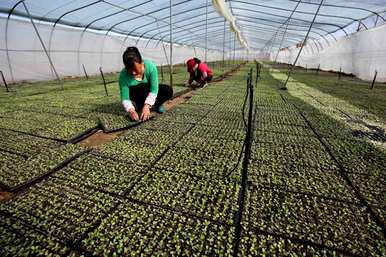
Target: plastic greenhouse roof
column 259, row 21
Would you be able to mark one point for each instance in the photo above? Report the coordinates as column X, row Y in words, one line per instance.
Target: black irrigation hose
column 244, row 181
column 243, row 109
column 243, row 147
column 249, row 83
column 244, row 177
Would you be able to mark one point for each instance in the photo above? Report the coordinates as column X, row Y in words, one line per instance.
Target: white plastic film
column 360, row 54
column 71, row 49
column 223, row 10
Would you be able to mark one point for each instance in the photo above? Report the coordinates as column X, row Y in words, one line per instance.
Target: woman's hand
column 134, row 115
column 145, row 112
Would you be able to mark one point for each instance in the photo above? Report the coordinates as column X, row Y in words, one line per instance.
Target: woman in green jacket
column 139, row 87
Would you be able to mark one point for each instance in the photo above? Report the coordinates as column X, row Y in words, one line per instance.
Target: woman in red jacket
column 199, row 72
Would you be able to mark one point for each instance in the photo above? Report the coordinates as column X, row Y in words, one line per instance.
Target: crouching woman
column 199, row 72
column 139, row 87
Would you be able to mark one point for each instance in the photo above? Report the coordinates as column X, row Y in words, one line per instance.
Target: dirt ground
column 5, row 196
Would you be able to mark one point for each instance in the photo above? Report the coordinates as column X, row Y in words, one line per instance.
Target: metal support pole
column 42, row 43
column 104, row 81
column 303, row 44
column 84, row 70
column 318, row 69
column 163, row 45
column 230, row 51
column 171, row 43
column 234, row 48
column 223, row 47
column 340, row 73
column 5, row 82
column 374, row 80
column 272, row 43
column 162, row 73
column 166, row 54
column 206, row 31
column 257, row 71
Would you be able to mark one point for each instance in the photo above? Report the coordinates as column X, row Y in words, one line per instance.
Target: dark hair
column 197, row 60
column 130, row 56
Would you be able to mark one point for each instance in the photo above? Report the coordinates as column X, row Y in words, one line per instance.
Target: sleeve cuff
column 127, row 105
column 150, row 99
column 203, row 77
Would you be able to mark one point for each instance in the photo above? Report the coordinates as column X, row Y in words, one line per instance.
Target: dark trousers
column 207, row 79
column 139, row 93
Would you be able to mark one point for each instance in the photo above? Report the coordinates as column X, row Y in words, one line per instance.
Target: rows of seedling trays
column 38, row 129
column 171, row 186
column 314, row 188
column 363, row 122
column 159, row 189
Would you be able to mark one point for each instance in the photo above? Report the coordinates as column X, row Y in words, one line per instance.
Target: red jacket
column 202, row 68
column 199, row 74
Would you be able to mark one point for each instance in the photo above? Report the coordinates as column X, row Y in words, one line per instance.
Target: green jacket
column 127, row 80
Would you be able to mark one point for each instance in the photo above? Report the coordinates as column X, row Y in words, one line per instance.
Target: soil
column 99, row 138
column 4, row 196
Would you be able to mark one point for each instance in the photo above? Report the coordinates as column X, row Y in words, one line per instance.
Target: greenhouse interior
column 192, row 128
